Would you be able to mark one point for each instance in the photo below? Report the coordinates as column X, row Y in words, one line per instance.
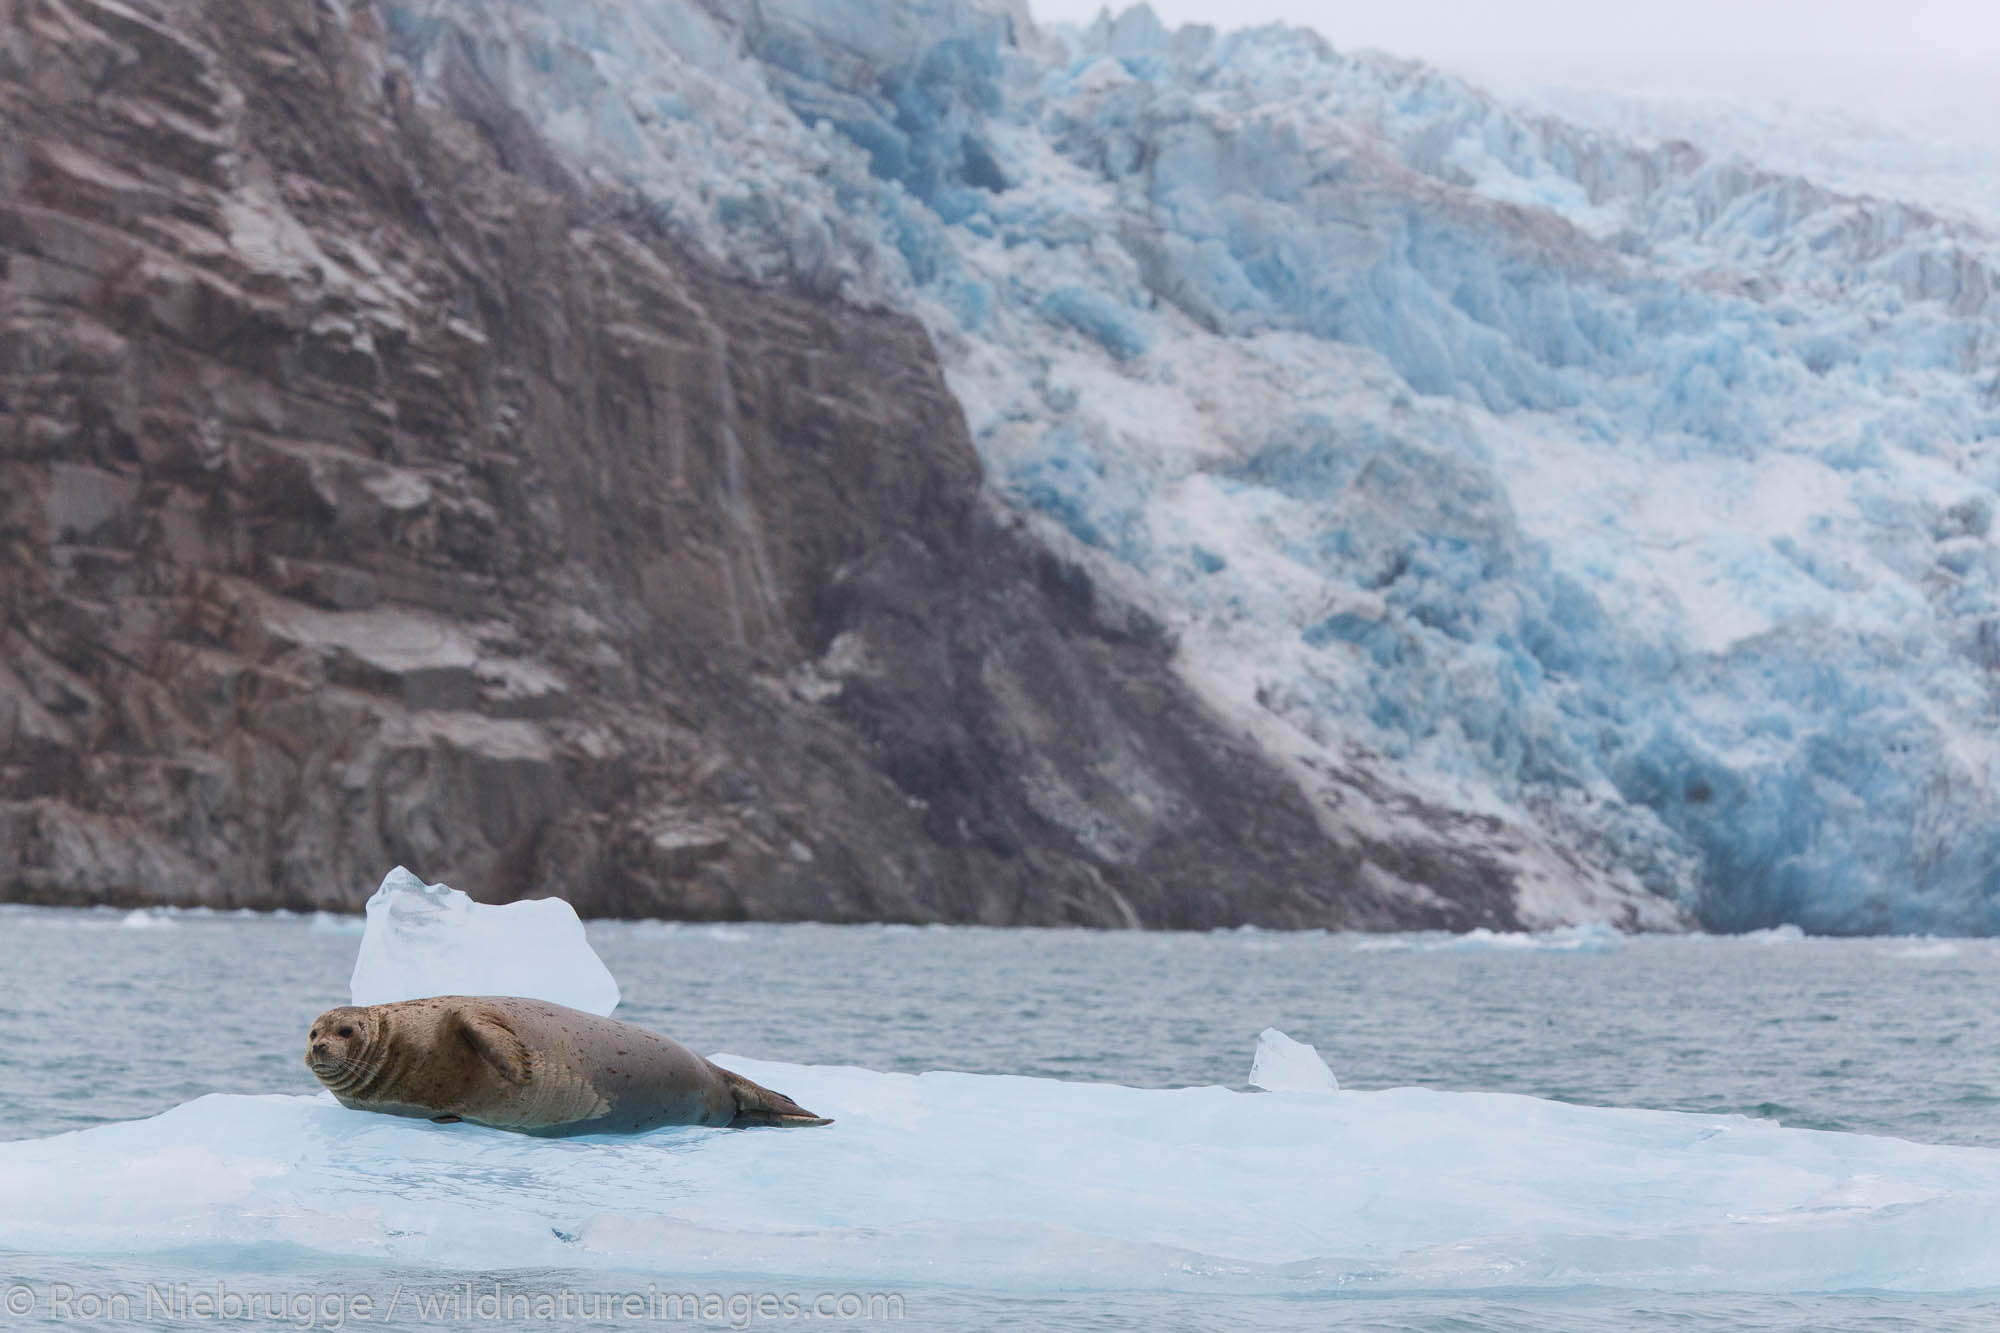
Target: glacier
column 1634, row 500
column 1010, row 1183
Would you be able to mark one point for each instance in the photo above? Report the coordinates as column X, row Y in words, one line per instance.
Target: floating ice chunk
column 141, row 919
column 1284, row 1065
column 1591, row 937
column 430, row 939
column 1586, row 937
column 334, row 923
column 1927, row 949
column 1033, row 1184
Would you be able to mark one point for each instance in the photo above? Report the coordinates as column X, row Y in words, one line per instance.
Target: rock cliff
column 373, row 489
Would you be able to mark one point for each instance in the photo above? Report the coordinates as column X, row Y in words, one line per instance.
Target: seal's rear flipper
column 760, row 1106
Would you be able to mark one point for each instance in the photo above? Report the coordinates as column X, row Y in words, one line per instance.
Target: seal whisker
column 339, row 1075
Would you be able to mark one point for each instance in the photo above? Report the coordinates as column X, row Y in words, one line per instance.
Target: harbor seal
column 529, row 1066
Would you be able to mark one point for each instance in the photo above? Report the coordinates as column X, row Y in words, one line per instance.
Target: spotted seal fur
column 530, row 1066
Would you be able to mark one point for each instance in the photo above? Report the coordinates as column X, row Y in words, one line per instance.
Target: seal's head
column 337, row 1046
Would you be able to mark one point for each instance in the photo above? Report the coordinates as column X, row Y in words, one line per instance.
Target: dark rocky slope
column 371, row 491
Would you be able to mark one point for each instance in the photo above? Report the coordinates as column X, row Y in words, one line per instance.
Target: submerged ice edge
column 1025, row 1183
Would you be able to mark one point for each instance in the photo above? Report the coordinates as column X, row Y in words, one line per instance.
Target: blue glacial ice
column 1638, row 499
column 1015, row 1183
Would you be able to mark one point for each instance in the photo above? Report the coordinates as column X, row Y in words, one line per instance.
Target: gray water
column 102, row 1021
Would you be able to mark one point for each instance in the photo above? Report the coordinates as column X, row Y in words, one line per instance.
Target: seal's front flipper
column 496, row 1044
column 760, row 1106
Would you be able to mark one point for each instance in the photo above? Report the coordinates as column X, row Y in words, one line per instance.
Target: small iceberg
column 430, row 939
column 1032, row 1184
column 1587, row 937
column 335, row 923
column 1284, row 1065
column 1005, row 1182
column 1775, row 935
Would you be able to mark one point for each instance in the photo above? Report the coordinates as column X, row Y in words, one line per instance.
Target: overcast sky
column 1927, row 70
column 1955, row 32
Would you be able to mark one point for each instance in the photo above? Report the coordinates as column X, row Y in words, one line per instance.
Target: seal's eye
column 346, row 1032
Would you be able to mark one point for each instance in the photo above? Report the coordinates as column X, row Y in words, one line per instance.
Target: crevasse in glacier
column 1633, row 496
